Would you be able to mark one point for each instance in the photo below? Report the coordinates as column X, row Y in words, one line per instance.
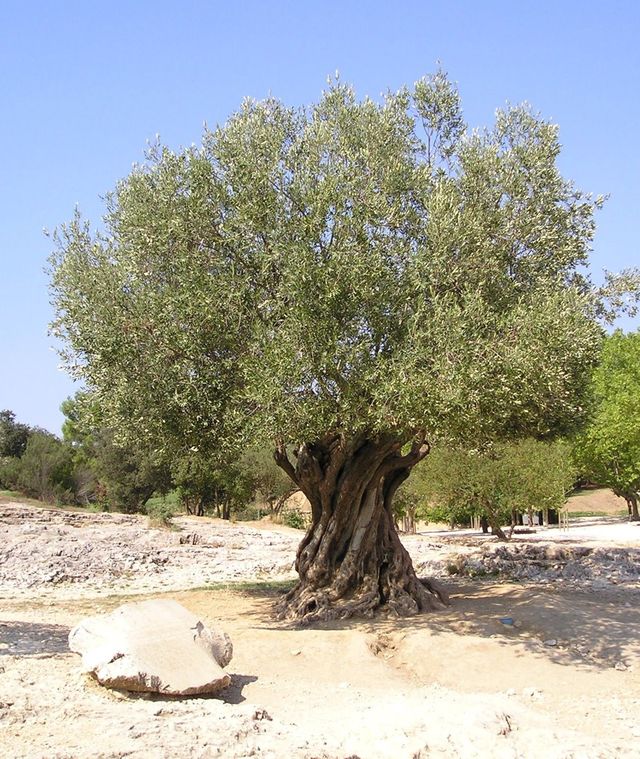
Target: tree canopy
column 353, row 265
column 347, row 278
column 13, row 435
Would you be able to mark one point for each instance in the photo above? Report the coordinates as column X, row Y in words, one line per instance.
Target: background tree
column 496, row 485
column 119, row 475
column 269, row 482
column 457, row 485
column 352, row 281
column 35, row 462
column 444, row 487
column 608, row 452
column 79, row 434
column 206, row 484
column 45, row 469
column 127, row 477
column 13, row 435
column 193, row 477
column 542, row 475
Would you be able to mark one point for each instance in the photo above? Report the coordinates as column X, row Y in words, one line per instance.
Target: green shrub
column 294, row 518
column 9, row 472
column 160, row 512
column 248, row 513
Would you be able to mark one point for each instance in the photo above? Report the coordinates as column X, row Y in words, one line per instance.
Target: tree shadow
column 575, row 627
column 255, row 588
column 33, row 639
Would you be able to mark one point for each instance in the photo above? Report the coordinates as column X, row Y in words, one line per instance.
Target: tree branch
column 419, row 449
column 282, row 460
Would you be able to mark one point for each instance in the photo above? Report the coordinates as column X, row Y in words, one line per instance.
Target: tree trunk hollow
column 351, row 562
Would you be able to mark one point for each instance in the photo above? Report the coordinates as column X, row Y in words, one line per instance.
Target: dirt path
column 561, row 681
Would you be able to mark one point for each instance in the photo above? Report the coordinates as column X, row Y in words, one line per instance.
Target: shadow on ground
column 573, row 627
column 233, row 694
column 33, row 639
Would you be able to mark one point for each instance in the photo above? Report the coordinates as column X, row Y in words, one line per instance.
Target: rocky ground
column 538, row 655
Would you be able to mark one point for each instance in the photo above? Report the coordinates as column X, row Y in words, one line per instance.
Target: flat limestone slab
column 156, row 646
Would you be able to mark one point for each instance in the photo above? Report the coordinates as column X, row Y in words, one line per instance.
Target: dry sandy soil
column 562, row 681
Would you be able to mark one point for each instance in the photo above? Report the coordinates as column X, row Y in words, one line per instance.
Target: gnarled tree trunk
column 351, row 561
column 631, row 497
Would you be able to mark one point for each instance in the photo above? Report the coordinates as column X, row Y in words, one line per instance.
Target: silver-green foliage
column 524, row 476
column 608, row 450
column 353, row 266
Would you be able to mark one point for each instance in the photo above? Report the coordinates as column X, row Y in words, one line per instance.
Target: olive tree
column 541, row 473
column 495, row 484
column 352, row 281
column 608, row 450
column 14, row 436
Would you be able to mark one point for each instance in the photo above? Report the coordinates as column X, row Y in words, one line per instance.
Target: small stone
column 621, row 666
column 296, row 652
column 517, row 624
column 261, row 714
column 551, row 642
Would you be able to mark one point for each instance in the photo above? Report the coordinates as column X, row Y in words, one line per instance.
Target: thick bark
column 632, row 505
column 351, row 561
column 226, row 509
column 493, row 521
column 498, row 532
column 409, row 520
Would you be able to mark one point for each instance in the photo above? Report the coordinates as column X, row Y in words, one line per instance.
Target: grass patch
column 578, row 514
column 254, row 587
column 9, row 493
column 14, row 496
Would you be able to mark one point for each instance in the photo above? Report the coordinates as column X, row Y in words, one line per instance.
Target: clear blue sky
column 84, row 85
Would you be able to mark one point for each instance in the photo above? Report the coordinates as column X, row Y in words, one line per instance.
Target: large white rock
column 156, row 646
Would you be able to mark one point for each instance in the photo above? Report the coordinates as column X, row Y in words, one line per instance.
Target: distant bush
column 248, row 513
column 294, row 518
column 160, row 511
column 13, row 435
column 45, row 470
column 9, row 472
